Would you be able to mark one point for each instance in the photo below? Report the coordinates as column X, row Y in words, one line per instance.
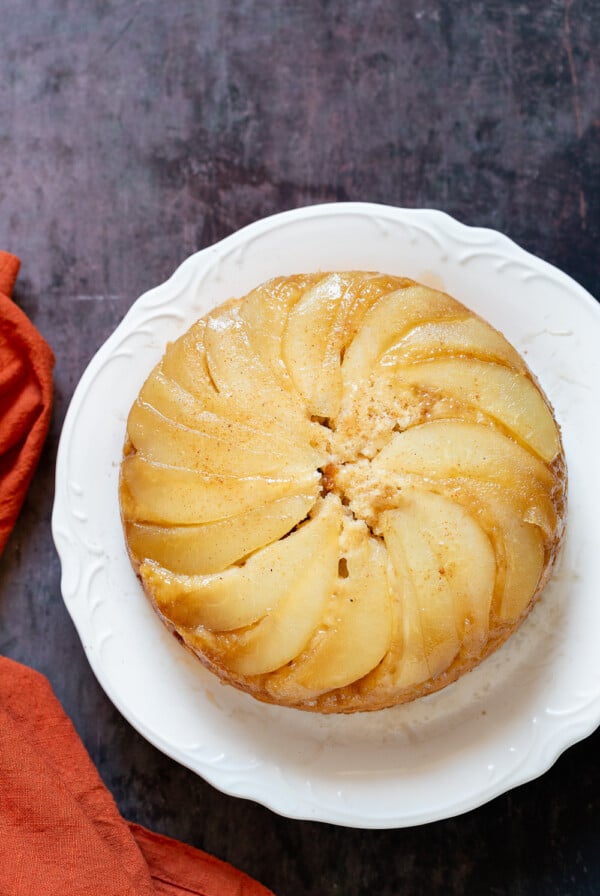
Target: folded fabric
column 26, row 364
column 61, row 833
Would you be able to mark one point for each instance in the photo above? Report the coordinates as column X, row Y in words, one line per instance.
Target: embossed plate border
column 500, row 726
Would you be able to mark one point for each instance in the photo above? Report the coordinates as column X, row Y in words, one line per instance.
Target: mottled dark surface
column 132, row 134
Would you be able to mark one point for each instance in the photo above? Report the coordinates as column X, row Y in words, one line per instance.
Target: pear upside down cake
column 342, row 491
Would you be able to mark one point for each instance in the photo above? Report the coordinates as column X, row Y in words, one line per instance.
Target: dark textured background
column 134, row 133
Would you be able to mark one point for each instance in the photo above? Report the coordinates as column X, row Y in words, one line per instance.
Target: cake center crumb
column 366, row 491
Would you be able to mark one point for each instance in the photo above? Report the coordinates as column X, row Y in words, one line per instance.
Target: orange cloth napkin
column 26, row 364
column 61, row 833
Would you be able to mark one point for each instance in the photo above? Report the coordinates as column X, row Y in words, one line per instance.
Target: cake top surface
column 342, row 490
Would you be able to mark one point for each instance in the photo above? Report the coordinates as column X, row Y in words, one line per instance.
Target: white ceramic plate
column 499, row 726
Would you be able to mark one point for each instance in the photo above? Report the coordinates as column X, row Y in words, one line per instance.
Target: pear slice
column 469, row 337
column 215, row 445
column 508, row 396
column 212, row 547
column 412, row 554
column 240, row 376
column 405, row 663
column 265, row 313
column 242, row 595
column 310, row 348
column 257, row 433
column 465, row 558
column 237, row 371
column 355, row 633
column 524, row 554
column 444, row 449
column 518, row 530
column 172, row 400
column 185, row 363
column 320, row 327
column 387, row 320
column 520, row 549
column 156, row 493
column 295, row 604
column 447, row 527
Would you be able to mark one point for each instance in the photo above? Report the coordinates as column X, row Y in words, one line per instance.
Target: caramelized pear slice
column 265, row 314
column 319, row 329
column 469, row 337
column 310, row 346
column 520, row 549
column 185, row 363
column 256, row 433
column 283, row 633
column 212, row 547
column 242, row 595
column 355, row 633
column 405, row 663
column 387, row 320
column 506, row 395
column 444, row 449
column 412, row 555
column 156, row 493
column 214, row 445
column 465, row 560
column 237, row 371
column 227, row 379
column 524, row 553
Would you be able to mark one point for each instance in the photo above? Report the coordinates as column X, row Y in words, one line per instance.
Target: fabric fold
column 61, row 833
column 26, row 365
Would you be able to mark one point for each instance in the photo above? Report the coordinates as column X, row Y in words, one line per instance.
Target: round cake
column 342, row 491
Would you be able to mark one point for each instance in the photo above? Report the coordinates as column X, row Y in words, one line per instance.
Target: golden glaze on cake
column 342, row 491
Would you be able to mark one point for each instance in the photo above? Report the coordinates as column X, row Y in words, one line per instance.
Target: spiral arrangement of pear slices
column 342, row 491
